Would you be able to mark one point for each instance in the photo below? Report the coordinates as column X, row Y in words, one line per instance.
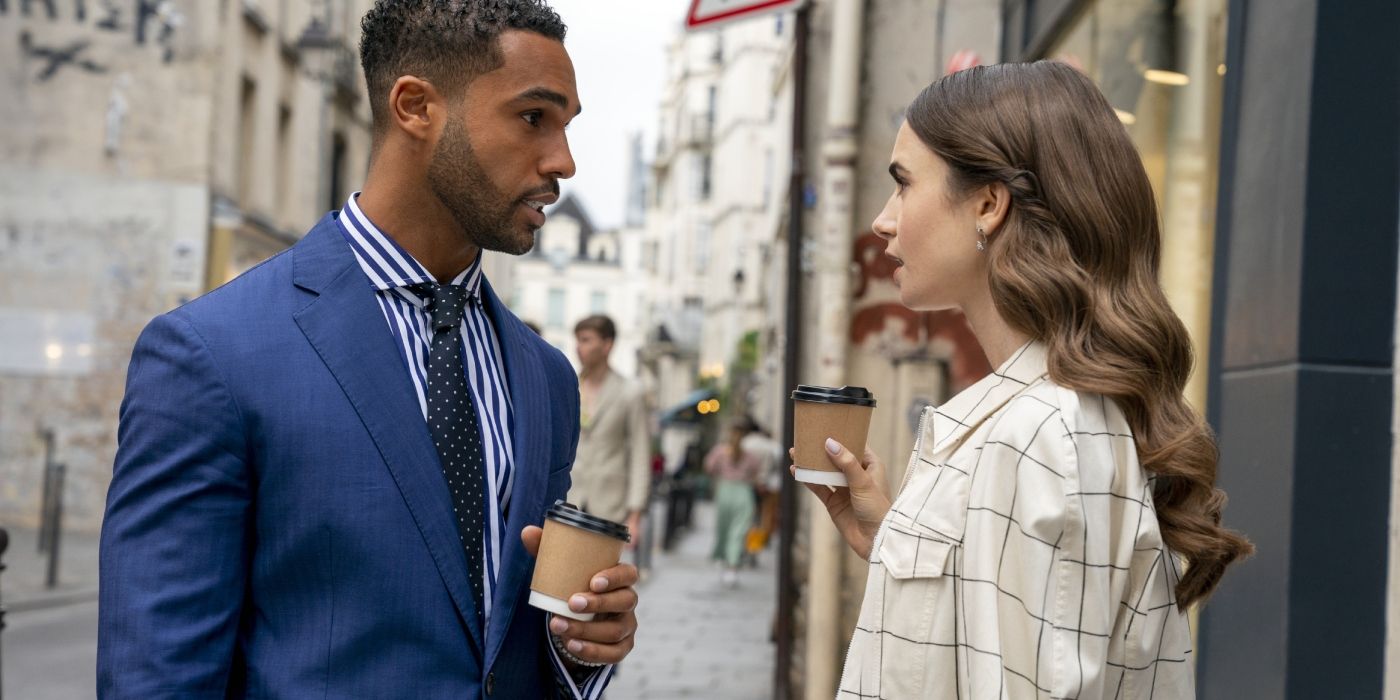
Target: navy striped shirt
column 391, row 270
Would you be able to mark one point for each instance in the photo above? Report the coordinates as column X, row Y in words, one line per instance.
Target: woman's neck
column 998, row 339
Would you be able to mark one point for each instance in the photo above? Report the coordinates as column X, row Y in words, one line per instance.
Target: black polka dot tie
column 456, row 430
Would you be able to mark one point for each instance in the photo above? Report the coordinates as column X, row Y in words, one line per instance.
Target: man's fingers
column 599, row 653
column 617, row 577
column 618, row 601
column 530, row 537
column 611, row 630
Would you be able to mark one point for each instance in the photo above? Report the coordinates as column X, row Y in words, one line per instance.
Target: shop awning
column 686, row 411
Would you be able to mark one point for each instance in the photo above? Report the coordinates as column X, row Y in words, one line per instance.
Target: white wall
column 619, row 283
column 85, row 262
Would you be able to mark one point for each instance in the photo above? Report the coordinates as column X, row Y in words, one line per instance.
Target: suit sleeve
column 174, row 553
column 638, row 453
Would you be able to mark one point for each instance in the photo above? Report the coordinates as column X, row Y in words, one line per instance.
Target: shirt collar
column 387, row 264
column 973, row 405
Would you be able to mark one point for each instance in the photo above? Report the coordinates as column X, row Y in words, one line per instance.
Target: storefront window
column 1161, row 63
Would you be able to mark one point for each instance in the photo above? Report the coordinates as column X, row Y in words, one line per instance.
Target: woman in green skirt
column 735, row 472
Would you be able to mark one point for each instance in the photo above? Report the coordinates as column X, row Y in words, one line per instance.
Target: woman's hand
column 858, row 509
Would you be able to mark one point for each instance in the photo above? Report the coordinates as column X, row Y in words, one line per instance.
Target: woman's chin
column 915, row 301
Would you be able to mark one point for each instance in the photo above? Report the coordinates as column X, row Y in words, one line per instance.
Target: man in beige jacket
column 612, row 472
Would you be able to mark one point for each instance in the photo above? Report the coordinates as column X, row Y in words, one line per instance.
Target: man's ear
column 416, row 109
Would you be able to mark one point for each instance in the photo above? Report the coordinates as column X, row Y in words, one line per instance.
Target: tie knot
column 445, row 303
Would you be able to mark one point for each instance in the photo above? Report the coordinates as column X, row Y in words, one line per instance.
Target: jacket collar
column 951, row 422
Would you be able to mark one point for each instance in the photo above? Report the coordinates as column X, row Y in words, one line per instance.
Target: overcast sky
column 618, row 48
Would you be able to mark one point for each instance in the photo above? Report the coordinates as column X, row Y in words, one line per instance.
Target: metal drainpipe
column 832, row 270
column 792, row 346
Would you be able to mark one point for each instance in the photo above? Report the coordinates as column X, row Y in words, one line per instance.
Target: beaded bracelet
column 564, row 652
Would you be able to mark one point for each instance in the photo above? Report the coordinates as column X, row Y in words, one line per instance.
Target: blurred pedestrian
column 767, row 485
column 1060, row 516
column 612, row 470
column 734, row 472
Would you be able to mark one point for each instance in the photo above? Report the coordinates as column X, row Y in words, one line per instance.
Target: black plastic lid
column 569, row 514
column 852, row 395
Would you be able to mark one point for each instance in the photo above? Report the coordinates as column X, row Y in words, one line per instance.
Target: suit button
column 491, row 683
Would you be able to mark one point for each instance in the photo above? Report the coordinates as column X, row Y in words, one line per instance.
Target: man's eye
column 532, row 118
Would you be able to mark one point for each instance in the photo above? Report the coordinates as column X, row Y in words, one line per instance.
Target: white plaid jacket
column 1022, row 557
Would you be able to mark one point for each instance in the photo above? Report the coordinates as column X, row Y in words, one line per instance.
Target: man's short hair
column 446, row 42
column 598, row 323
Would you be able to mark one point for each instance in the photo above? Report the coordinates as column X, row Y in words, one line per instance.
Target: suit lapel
column 532, row 438
column 347, row 328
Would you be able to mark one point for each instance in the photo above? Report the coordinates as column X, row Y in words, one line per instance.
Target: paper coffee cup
column 574, row 548
column 821, row 412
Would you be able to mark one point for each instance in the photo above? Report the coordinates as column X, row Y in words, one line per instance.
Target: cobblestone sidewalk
column 697, row 638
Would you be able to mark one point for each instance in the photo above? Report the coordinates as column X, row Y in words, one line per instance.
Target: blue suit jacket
column 278, row 524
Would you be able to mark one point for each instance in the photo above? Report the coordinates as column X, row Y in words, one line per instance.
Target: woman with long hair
column 1058, row 517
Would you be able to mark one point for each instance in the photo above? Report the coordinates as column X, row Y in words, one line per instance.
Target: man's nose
column 559, row 162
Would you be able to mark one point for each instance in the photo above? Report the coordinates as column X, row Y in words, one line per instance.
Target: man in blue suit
column 330, row 470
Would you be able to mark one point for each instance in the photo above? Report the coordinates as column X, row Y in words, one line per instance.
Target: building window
column 711, row 113
column 767, row 176
column 702, row 249
column 556, row 308
column 247, row 109
column 1162, row 66
column 598, row 303
column 284, row 163
column 337, row 173
column 706, row 165
column 650, row 256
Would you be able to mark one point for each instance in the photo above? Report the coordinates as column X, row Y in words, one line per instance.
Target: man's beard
column 485, row 213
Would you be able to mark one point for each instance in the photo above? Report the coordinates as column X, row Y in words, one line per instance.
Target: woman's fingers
column 844, row 460
column 873, row 465
column 822, row 492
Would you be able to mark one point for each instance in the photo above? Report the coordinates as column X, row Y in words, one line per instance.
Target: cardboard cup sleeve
column 575, row 546
column 825, row 412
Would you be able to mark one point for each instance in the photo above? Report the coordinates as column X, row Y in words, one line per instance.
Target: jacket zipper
column 880, row 533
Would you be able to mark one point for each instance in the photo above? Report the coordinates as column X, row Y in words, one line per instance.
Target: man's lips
column 535, row 202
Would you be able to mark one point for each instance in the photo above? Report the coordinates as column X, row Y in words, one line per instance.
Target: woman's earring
column 981, row 239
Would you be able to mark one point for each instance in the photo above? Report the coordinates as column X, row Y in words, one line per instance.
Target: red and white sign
column 962, row 60
column 706, row 13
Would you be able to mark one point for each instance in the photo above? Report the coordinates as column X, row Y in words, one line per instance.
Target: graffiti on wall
column 874, row 318
column 146, row 22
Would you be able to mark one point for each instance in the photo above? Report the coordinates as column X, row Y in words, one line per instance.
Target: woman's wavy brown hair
column 1074, row 265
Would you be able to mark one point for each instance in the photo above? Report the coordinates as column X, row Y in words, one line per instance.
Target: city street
column 51, row 653
column 696, row 638
column 229, row 232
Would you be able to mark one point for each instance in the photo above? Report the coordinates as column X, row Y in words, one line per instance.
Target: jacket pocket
column 934, row 499
column 910, row 551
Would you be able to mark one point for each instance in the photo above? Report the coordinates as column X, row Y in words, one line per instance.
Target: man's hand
column 608, row 639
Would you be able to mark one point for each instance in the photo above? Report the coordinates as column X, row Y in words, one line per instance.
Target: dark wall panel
column 1254, row 596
